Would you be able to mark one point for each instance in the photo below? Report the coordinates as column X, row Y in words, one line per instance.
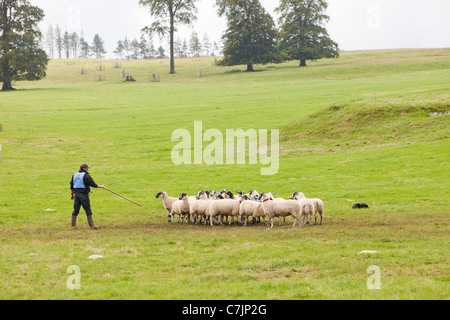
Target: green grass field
column 353, row 129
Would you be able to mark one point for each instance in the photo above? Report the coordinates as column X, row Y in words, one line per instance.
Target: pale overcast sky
column 354, row 24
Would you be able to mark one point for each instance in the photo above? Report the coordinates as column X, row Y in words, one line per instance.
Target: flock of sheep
column 216, row 207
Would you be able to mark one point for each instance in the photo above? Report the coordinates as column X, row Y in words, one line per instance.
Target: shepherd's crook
column 123, row 197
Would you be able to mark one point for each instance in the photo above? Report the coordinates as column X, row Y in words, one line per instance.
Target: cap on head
column 84, row 165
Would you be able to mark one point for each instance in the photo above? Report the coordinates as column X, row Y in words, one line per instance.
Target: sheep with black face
column 181, row 208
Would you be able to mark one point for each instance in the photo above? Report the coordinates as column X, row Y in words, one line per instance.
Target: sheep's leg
column 297, row 219
column 295, row 216
column 271, row 221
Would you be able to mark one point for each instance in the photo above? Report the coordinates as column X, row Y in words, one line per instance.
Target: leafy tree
column 161, row 53
column 184, row 48
column 21, row 57
column 206, row 45
column 178, row 48
column 58, row 41
column 250, row 37
column 84, row 47
column 303, row 35
column 169, row 14
column 215, row 48
column 151, row 51
column 74, row 40
column 126, row 48
column 135, row 49
column 50, row 41
column 119, row 49
column 144, row 48
column 195, row 46
column 66, row 44
column 98, row 47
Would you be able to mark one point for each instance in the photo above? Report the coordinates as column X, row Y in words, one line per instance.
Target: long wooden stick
column 123, row 197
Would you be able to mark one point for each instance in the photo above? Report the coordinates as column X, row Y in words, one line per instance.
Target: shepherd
column 80, row 186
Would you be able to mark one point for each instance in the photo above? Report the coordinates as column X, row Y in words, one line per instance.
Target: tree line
column 251, row 36
column 145, row 49
column 65, row 45
column 72, row 45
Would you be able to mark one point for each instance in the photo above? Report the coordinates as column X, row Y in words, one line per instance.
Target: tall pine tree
column 98, row 47
column 303, row 35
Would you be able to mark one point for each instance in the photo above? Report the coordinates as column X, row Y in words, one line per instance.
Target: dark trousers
column 82, row 200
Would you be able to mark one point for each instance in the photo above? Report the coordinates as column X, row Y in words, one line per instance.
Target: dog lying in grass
column 360, row 206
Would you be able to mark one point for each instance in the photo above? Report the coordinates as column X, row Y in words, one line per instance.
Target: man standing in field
column 80, row 186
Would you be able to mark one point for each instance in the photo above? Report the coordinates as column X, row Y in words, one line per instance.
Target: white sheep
column 200, row 206
column 180, row 207
column 192, row 200
column 213, row 195
column 306, row 208
column 251, row 208
column 318, row 205
column 271, row 197
column 224, row 207
column 225, row 194
column 253, row 194
column 284, row 208
column 167, row 201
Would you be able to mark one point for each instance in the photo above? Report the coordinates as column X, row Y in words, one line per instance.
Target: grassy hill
column 353, row 129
